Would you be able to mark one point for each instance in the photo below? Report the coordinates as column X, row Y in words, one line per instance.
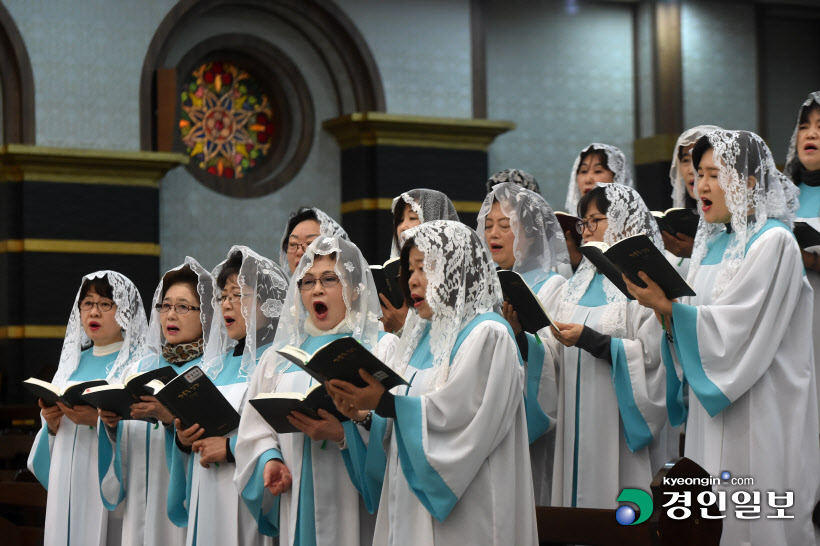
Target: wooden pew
column 595, row 527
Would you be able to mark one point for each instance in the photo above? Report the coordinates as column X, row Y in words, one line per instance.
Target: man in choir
column 743, row 344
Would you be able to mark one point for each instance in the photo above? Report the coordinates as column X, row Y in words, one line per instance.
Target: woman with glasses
column 249, row 290
column 137, row 477
column 521, row 232
column 612, row 427
column 446, row 459
column 104, row 337
column 295, row 484
column 303, row 226
column 410, row 209
column 597, row 163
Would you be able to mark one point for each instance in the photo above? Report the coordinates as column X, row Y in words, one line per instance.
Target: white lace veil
column 263, row 285
column 616, row 162
column 540, row 244
column 792, row 161
column 429, row 205
column 738, row 156
column 130, row 315
column 461, row 284
column 327, row 226
column 154, row 340
column 515, row 176
column 627, row 215
column 362, row 307
column 687, row 138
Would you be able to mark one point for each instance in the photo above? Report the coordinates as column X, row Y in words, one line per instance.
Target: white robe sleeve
column 256, row 444
column 725, row 347
column 39, row 459
column 445, row 436
column 639, row 377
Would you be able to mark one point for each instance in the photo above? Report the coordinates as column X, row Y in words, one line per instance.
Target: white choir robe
column 809, row 212
column 541, row 390
column 747, row 358
column 322, row 507
column 612, row 431
column 453, row 467
column 66, row 465
column 204, row 499
column 133, row 473
column 681, row 265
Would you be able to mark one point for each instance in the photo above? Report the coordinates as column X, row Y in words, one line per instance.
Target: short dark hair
column 701, row 147
column 183, row 275
column 231, row 268
column 100, row 285
column 596, row 195
column 806, row 110
column 591, row 151
column 301, row 214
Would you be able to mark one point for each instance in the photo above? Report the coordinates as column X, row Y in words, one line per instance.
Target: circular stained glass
column 226, row 122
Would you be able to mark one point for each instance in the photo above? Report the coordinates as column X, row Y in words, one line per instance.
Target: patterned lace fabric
column 627, row 215
column 130, row 315
column 327, row 226
column 742, row 157
column 514, row 176
column 616, row 162
column 687, row 138
column 461, row 284
column 428, row 205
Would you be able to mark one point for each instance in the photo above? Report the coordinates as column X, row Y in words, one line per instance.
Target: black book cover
column 531, row 313
column 386, row 278
column 569, row 223
column 118, row 398
column 341, row 359
column 806, row 235
column 634, row 254
column 194, row 399
column 275, row 407
column 678, row 220
column 50, row 393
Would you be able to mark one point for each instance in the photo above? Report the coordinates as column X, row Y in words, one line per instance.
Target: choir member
column 132, row 462
column 104, row 337
column 447, row 459
column 612, row 428
column 303, row 226
column 743, row 343
column 250, row 290
column 410, row 209
column 514, row 176
column 522, row 233
column 295, row 484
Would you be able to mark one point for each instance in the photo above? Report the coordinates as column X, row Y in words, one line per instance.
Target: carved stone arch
column 335, row 39
column 17, row 84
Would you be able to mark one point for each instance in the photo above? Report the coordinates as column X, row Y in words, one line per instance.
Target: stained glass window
column 226, row 122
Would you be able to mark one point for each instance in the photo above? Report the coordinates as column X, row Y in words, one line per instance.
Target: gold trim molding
column 19, row 162
column 32, row 332
column 380, row 129
column 385, row 203
column 79, row 247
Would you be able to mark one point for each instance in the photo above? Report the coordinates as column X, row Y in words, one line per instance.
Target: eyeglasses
column 103, row 306
column 231, row 298
column 180, row 308
column 327, row 281
column 591, row 224
column 294, row 247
